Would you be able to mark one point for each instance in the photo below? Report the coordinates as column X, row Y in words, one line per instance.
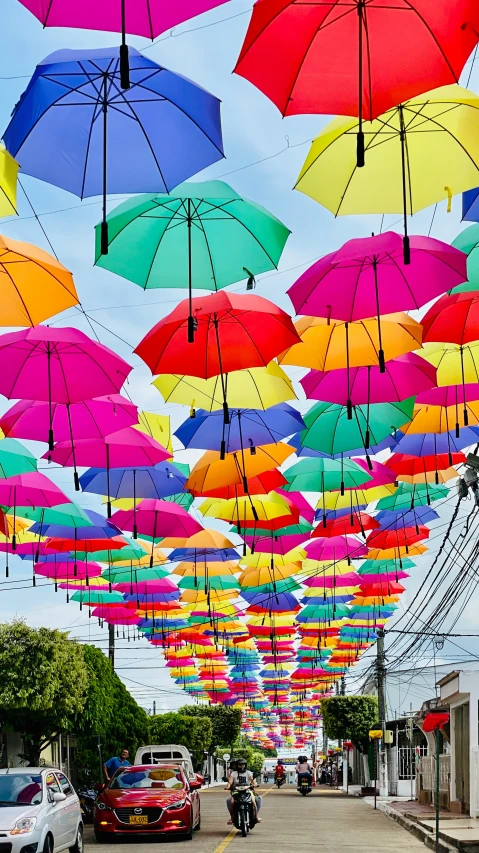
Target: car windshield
column 20, row 789
column 163, row 777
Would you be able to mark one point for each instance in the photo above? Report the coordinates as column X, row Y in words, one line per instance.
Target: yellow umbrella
column 258, row 560
column 256, row 388
column 8, row 183
column 210, row 570
column 258, row 577
column 159, row 556
column 325, row 342
column 251, row 508
column 417, row 153
column 156, row 426
column 396, row 553
column 354, row 497
column 213, row 472
column 435, row 476
column 455, row 364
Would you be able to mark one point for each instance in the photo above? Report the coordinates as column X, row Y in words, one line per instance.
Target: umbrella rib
column 158, row 246
column 209, row 251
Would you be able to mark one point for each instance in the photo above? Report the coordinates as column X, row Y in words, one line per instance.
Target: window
column 51, row 782
column 64, row 784
column 164, row 777
column 20, row 789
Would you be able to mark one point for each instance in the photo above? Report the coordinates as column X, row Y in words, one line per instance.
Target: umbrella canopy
column 328, row 427
column 156, row 519
column 401, row 378
column 441, row 418
column 262, row 484
column 15, row 458
column 70, row 421
column 246, row 429
column 160, row 132
column 396, row 538
column 395, row 181
column 354, row 60
column 69, row 514
column 361, row 521
column 394, row 519
column 412, row 465
column 8, row 184
column 429, row 444
column 33, row 285
column 407, row 496
column 320, row 475
column 333, row 550
column 325, row 343
column 255, row 388
column 30, row 489
column 213, row 471
column 453, row 319
column 455, row 364
column 158, row 481
column 468, row 241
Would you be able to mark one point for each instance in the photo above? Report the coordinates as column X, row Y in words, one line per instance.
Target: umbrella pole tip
column 407, row 249
column 51, row 441
column 76, row 480
column 104, row 238
column 382, row 361
column 360, row 150
column 192, row 327
column 124, row 66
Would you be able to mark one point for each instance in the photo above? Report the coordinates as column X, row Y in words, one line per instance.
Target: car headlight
column 178, row 805
column 103, row 806
column 24, row 825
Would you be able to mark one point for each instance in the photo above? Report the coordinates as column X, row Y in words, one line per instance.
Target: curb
column 424, row 835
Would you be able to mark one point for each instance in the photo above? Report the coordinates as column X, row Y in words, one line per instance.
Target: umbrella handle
column 360, row 135
column 124, row 66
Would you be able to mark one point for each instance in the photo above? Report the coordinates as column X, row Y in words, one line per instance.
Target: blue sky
column 205, row 50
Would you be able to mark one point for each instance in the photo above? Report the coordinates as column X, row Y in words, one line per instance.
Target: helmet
column 241, row 764
column 302, row 759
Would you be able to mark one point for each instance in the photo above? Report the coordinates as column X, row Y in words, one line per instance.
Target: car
column 39, row 812
column 148, row 799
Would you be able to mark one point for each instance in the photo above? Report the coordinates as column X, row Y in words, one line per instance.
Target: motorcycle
column 304, row 784
column 244, row 817
column 87, row 797
column 280, row 780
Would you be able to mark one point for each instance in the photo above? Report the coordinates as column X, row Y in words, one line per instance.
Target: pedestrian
column 111, row 766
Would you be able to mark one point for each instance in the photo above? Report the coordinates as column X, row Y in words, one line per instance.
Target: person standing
column 111, row 766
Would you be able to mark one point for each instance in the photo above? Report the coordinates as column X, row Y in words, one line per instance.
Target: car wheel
column 48, row 844
column 198, row 825
column 78, row 845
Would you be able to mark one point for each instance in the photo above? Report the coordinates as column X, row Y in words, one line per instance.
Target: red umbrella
column 453, row 319
column 383, row 539
column 402, row 464
column 233, row 332
column 355, row 57
column 264, row 483
column 345, row 526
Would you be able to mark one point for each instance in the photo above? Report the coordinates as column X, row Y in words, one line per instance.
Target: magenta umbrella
column 126, row 447
column 57, row 366
column 156, row 519
column 32, row 489
column 401, row 378
column 335, row 549
column 449, row 395
column 146, row 18
column 367, row 277
column 300, row 502
column 380, row 474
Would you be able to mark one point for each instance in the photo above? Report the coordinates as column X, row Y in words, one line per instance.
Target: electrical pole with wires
column 381, row 686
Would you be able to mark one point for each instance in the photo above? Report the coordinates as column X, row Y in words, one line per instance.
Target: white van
column 170, row 753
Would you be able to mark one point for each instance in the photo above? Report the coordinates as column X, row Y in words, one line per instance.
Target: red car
column 148, row 799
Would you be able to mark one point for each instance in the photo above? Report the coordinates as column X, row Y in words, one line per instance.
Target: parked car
column 148, row 799
column 39, row 812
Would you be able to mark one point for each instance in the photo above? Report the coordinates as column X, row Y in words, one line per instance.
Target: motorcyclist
column 242, row 776
column 279, row 770
column 303, row 769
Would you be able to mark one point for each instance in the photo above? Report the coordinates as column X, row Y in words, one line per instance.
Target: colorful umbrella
column 262, row 484
column 320, row 475
column 328, row 427
column 214, row 471
column 100, row 139
column 15, row 458
column 158, row 481
column 8, row 184
column 468, row 241
column 247, row 428
column 156, row 519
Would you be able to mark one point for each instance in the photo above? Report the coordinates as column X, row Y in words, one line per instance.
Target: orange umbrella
column 212, row 472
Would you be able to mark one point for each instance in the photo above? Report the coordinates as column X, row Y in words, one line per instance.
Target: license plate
column 138, row 818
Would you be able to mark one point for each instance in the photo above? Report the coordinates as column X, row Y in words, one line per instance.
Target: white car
column 39, row 812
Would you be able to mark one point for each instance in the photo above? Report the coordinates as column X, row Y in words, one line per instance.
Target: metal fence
column 405, row 754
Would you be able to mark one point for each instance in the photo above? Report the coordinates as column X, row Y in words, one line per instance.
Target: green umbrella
column 324, row 475
column 387, row 567
column 15, row 458
column 122, row 575
column 200, row 235
column 98, row 597
column 67, row 515
column 329, row 430
column 261, row 532
column 216, row 582
column 183, row 499
column 133, row 551
column 468, row 241
column 409, row 495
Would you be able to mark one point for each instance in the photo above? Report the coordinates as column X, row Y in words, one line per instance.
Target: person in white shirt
column 239, row 777
column 303, row 768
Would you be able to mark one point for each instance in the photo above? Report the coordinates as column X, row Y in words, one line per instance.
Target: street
column 326, row 819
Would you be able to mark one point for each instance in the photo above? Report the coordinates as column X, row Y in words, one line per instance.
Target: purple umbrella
column 430, row 444
column 368, row 277
column 337, row 548
column 402, row 377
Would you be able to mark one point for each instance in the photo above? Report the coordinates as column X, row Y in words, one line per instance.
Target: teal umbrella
column 409, row 495
column 15, row 458
column 468, row 241
column 320, row 474
column 67, row 515
column 329, row 430
column 200, row 236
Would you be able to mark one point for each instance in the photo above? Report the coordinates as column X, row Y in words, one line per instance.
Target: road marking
column 223, row 844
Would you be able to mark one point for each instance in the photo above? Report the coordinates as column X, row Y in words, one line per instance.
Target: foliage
column 349, row 718
column 194, row 732
column 256, row 763
column 110, row 716
column 43, row 683
column 270, row 752
column 226, row 722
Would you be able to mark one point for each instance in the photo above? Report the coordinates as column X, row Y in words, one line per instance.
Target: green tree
column 42, row 685
column 256, row 763
column 226, row 723
column 191, row 731
column 349, row 718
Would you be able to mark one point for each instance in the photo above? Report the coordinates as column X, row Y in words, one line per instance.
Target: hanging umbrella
column 404, row 146
column 247, row 428
column 70, row 421
column 30, row 489
column 261, row 484
column 397, row 538
column 394, row 519
column 68, row 514
column 333, row 550
column 320, row 475
column 368, row 277
column 408, row 496
column 343, row 527
column 441, row 418
column 15, row 458
column 148, row 19
column 213, row 471
column 57, row 366
column 154, row 481
column 33, row 285
column 331, row 344
column 413, row 466
column 255, row 388
column 401, row 378
column 356, row 59
column 387, row 443
column 100, row 139
column 200, row 235
column 468, row 241
column 429, row 444
column 156, row 519
column 453, row 319
column 8, row 184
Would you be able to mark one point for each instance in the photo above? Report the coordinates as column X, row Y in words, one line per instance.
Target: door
column 56, row 812
column 461, row 752
column 71, row 808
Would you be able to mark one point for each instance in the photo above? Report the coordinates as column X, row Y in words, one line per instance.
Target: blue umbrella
column 211, row 555
column 395, row 519
column 470, row 205
column 429, row 444
column 75, row 128
column 333, row 514
column 247, row 429
column 159, row 481
column 99, row 529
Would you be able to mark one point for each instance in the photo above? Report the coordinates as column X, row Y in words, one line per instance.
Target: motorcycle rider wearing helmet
column 279, row 769
column 242, row 776
column 303, row 769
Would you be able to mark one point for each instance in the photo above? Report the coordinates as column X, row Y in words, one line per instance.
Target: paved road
column 326, row 820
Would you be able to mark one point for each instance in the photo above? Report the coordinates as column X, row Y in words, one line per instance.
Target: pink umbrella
column 368, row 277
column 64, row 570
column 58, row 366
column 126, row 447
column 267, row 543
column 32, row 489
column 156, row 519
column 402, row 377
column 380, row 474
column 338, row 548
column 331, row 581
column 116, row 614
column 299, row 501
column 449, row 395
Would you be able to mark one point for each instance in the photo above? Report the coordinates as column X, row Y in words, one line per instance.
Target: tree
column 349, row 718
column 194, row 732
column 256, row 763
column 226, row 723
column 42, row 686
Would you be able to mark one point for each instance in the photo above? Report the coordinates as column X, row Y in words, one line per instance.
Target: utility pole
column 381, row 682
column 111, row 645
column 343, row 686
column 154, row 707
